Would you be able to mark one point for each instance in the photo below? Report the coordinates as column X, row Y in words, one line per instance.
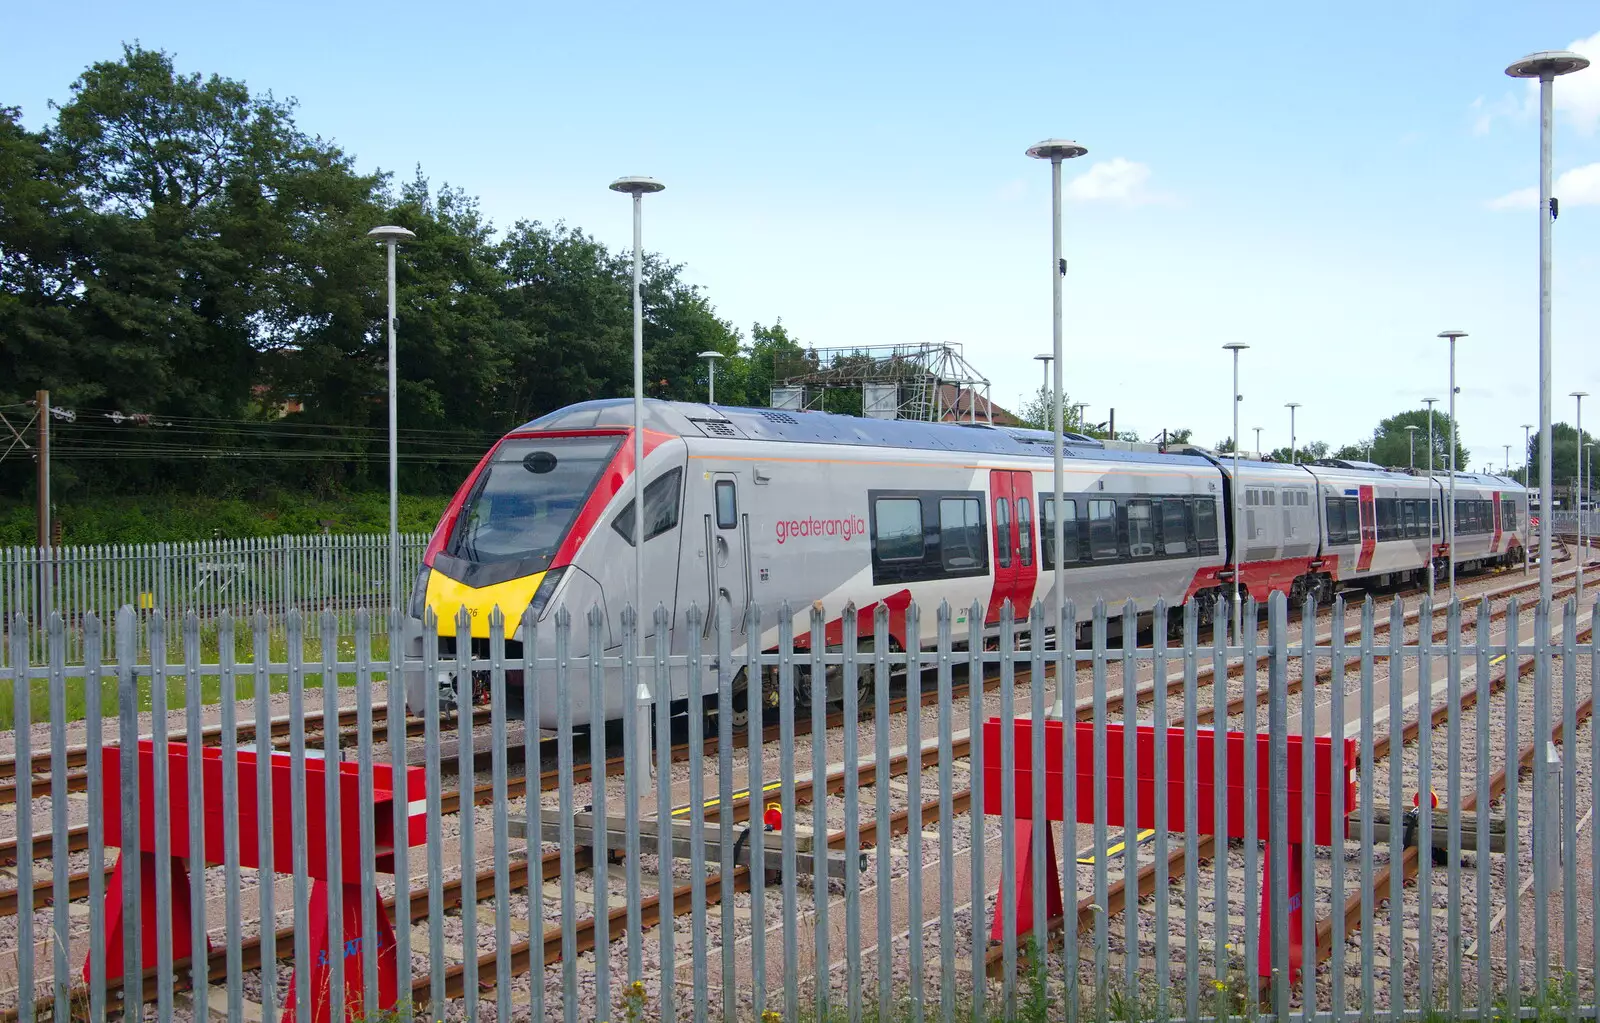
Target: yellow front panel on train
column 446, row 597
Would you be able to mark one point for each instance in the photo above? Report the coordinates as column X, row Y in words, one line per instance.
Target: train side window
column 1025, row 529
column 727, row 505
column 1002, row 532
column 1205, row 525
column 1141, row 530
column 961, row 539
column 1103, row 530
column 1352, row 519
column 660, row 508
column 1508, row 515
column 1409, row 510
column 1335, row 514
column 897, row 523
column 1438, row 520
column 1175, row 525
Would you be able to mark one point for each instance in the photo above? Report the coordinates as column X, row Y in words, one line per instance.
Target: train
column 774, row 508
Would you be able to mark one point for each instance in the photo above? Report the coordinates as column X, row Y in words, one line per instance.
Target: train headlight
column 546, row 590
column 419, row 593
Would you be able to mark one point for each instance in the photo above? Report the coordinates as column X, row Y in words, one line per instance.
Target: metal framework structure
column 930, row 381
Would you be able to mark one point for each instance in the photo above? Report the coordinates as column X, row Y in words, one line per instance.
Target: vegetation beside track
column 173, row 518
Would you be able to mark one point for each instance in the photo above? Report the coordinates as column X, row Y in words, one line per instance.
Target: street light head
column 637, row 185
column 1548, row 64
column 1056, row 149
column 1043, row 358
column 391, row 233
column 1452, row 334
column 1413, row 429
column 1578, row 394
column 1292, row 404
column 1235, row 346
column 712, row 355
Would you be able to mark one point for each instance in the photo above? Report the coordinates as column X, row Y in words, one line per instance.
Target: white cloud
column 1578, row 95
column 1115, row 180
column 1579, row 186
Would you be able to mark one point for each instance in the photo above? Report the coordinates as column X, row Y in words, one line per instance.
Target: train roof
column 689, row 419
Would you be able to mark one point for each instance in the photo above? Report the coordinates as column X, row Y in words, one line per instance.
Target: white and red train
column 770, row 507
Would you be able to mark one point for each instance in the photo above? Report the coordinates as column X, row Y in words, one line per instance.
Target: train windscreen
column 524, row 504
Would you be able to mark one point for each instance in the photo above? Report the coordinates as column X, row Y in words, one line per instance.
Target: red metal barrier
column 1110, row 778
column 242, row 816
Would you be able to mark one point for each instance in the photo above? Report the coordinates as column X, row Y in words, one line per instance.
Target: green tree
column 1037, row 413
column 1564, row 463
column 1392, row 443
column 771, row 349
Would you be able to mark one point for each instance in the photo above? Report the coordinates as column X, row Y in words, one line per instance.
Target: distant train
column 767, row 506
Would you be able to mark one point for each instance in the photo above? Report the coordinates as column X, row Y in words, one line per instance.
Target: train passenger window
column 1508, row 515
column 1438, row 519
column 1141, row 530
column 1205, row 525
column 1409, row 510
column 1384, row 510
column 897, row 522
column 961, row 538
column 1103, row 530
column 1335, row 511
column 1175, row 525
column 1025, row 529
column 1069, row 531
column 727, row 505
column 660, row 508
column 1002, row 532
column 1352, row 520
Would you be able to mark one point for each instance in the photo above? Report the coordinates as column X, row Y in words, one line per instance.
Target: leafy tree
column 1564, row 463
column 1307, row 453
column 1224, row 446
column 1392, row 444
column 1037, row 413
column 770, row 349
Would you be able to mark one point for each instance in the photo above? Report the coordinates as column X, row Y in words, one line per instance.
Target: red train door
column 1012, row 513
column 1369, row 529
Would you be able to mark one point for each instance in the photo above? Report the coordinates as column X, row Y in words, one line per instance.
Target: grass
column 76, row 695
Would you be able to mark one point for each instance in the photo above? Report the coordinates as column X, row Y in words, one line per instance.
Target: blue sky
column 1331, row 184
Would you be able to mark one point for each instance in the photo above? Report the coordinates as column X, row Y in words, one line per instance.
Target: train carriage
column 763, row 507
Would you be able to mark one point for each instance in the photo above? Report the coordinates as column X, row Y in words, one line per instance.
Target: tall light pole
column 391, row 236
column 1450, row 515
column 1080, row 406
column 1506, row 466
column 1235, row 537
column 1257, row 429
column 639, row 187
column 1294, row 457
column 1577, row 583
column 1433, row 548
column 1588, row 492
column 1045, row 360
column 1545, row 66
column 1056, row 151
column 711, row 380
column 1411, row 443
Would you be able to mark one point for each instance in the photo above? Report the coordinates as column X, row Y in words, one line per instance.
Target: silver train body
column 770, row 508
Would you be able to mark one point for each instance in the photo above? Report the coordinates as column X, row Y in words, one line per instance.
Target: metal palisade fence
column 1349, row 812
column 243, row 576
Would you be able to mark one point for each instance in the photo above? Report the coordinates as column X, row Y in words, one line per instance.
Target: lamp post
column 639, row 187
column 1588, row 494
column 1411, row 445
column 1238, row 610
column 1057, row 151
column 390, row 237
column 1045, row 360
column 711, row 380
column 1506, row 465
column 1080, row 406
column 1450, row 513
column 1545, row 66
column 1294, row 457
column 1577, row 582
column 1257, row 429
column 1433, row 548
